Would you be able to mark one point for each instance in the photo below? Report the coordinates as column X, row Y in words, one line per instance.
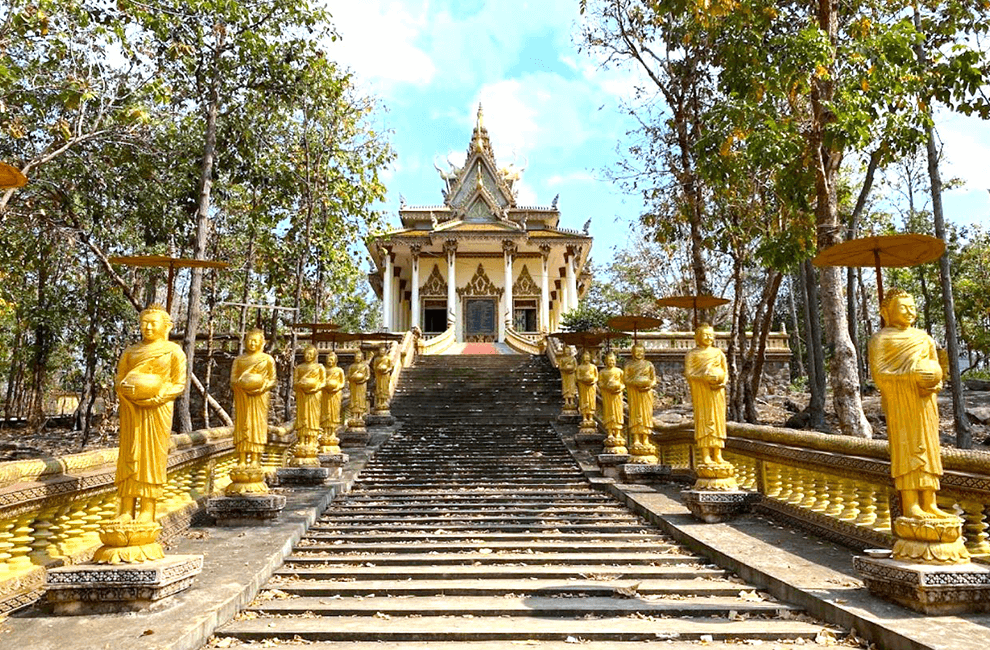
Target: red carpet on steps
column 479, row 348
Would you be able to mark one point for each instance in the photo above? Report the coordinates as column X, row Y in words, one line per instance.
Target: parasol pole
column 171, row 287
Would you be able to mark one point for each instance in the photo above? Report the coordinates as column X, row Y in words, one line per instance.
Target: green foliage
column 104, row 106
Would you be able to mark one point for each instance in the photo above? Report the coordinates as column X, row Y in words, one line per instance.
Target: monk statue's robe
column 568, row 379
column 383, row 380
column 610, row 380
column 587, row 385
column 897, row 359
column 333, row 391
column 252, row 376
column 358, row 374
column 308, row 380
column 150, row 376
column 706, row 371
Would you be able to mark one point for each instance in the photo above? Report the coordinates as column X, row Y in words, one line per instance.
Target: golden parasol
column 908, row 249
column 11, row 177
column 634, row 323
column 703, row 301
column 170, row 263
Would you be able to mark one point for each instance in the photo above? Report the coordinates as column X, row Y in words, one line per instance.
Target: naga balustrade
column 51, row 508
column 838, row 487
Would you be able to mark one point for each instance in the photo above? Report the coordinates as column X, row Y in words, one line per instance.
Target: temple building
column 479, row 265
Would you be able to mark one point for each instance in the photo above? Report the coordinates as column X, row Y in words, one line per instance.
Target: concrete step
column 464, row 628
column 307, row 555
column 716, row 606
column 685, row 586
column 450, row 527
column 563, row 572
column 449, row 537
column 401, row 547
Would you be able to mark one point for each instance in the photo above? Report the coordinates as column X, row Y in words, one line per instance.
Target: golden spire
column 479, row 139
column 480, row 121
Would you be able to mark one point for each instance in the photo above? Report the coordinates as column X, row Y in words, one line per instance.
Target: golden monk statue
column 904, row 365
column 252, row 377
column 613, row 387
column 383, row 379
column 358, row 374
column 707, row 373
column 640, row 377
column 587, row 385
column 568, row 381
column 150, row 375
column 307, row 382
column 332, row 394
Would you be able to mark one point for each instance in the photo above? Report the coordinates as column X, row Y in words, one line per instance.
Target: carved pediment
column 480, row 285
column 524, row 284
column 434, row 285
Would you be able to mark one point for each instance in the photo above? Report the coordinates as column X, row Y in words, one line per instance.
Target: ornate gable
column 434, row 285
column 480, row 285
column 524, row 284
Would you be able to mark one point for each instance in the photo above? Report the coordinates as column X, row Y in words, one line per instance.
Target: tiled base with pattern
column 714, row 506
column 644, row 473
column 611, row 464
column 334, row 462
column 354, row 437
column 303, row 476
column 245, row 510
column 111, row 588
column 927, row 588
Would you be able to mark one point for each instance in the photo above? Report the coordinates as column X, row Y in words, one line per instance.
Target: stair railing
column 438, row 344
column 523, row 343
column 838, row 487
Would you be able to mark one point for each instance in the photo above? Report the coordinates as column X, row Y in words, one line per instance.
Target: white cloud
column 966, row 141
column 379, row 42
column 580, row 176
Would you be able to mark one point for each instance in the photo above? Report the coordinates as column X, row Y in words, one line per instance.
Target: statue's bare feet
column 124, row 517
column 933, row 512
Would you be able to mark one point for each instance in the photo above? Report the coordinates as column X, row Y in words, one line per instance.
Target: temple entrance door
column 479, row 320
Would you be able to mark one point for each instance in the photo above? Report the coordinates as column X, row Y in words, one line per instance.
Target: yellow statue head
column 331, row 360
column 638, row 351
column 610, row 360
column 155, row 323
column 254, row 340
column 309, row 354
column 358, row 357
column 585, row 357
column 704, row 335
column 898, row 309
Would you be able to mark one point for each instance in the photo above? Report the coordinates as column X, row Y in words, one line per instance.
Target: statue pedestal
column 715, row 477
column 111, row 588
column 713, row 506
column 644, row 473
column 303, row 476
column 933, row 589
column 588, row 437
column 246, row 510
column 355, row 435
column 611, row 464
column 379, row 418
column 334, row 462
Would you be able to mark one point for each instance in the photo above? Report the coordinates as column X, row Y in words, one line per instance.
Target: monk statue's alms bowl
column 252, row 381
column 142, row 385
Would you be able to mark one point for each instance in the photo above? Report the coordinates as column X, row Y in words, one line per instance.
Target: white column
column 572, row 284
column 545, row 292
column 414, row 307
column 387, row 293
column 507, row 249
column 451, row 284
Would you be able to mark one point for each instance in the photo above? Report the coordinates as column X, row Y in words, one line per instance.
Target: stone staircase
column 472, row 527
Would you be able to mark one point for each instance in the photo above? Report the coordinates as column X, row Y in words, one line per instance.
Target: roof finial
column 481, row 117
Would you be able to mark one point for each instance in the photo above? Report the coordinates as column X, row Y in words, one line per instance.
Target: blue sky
column 432, row 61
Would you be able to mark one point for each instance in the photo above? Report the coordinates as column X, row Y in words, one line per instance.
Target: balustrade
column 836, row 486
column 51, row 510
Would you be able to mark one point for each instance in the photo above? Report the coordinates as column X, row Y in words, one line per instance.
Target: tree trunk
column 758, row 346
column 844, row 371
column 964, row 435
column 797, row 359
column 816, row 356
column 199, row 252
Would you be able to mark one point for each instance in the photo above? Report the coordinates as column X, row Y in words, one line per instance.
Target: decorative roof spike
column 479, row 138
